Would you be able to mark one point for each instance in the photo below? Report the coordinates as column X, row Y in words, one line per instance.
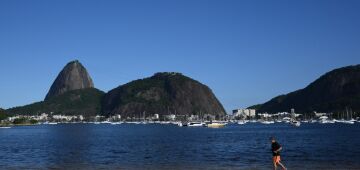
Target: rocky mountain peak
column 72, row 77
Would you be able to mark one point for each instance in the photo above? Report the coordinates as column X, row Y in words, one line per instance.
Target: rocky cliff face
column 72, row 77
column 162, row 93
column 332, row 92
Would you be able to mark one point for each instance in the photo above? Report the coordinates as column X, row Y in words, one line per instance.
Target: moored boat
column 241, row 122
column 295, row 123
column 5, row 127
column 267, row 122
column 216, row 125
column 196, row 124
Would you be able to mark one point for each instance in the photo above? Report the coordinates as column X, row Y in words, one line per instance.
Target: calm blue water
column 88, row 146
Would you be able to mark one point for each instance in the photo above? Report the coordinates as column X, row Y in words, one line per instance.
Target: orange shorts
column 276, row 159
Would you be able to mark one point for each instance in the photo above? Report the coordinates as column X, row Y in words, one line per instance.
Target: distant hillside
column 332, row 92
column 3, row 115
column 162, row 93
column 75, row 102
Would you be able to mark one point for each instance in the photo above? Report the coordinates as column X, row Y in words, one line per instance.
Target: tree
column 3, row 114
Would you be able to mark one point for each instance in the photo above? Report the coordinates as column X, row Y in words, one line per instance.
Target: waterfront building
column 245, row 113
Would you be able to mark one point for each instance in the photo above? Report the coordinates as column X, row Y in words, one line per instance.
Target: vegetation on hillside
column 76, row 102
column 3, row 114
column 333, row 92
column 163, row 93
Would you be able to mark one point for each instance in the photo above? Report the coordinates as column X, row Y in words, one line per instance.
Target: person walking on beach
column 276, row 148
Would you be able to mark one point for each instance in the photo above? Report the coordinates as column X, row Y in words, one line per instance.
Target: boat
column 325, row 121
column 52, row 123
column 136, row 123
column 348, row 122
column 5, row 127
column 252, row 121
column 196, row 124
column 295, row 123
column 116, row 123
column 267, row 122
column 181, row 124
column 216, row 125
column 241, row 122
column 313, row 121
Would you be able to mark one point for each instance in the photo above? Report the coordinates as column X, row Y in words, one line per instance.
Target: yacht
column 116, row 123
column 267, row 122
column 216, row 125
column 348, row 122
column 5, row 127
column 325, row 121
column 196, row 124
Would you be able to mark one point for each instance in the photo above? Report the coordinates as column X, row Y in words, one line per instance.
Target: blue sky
column 246, row 51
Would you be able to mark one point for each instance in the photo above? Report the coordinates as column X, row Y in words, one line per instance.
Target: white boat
column 196, row 124
column 182, row 124
column 267, row 122
column 241, row 122
column 278, row 121
column 313, row 121
column 116, row 123
column 348, row 122
column 52, row 123
column 325, row 121
column 295, row 123
column 216, row 125
column 5, row 127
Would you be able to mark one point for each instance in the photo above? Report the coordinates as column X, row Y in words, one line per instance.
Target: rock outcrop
column 73, row 76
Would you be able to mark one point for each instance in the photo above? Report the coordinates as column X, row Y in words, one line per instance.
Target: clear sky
column 246, row 51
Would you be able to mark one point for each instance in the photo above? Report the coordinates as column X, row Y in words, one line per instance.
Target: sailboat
column 348, row 121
